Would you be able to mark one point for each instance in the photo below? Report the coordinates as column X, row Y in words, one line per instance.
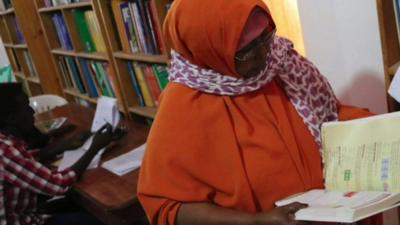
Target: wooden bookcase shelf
column 113, row 54
column 25, row 46
column 80, row 48
column 390, row 45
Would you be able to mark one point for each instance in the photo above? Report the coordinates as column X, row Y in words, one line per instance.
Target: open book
column 363, row 156
column 343, row 207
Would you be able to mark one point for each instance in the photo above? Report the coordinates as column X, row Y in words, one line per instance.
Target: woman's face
column 252, row 59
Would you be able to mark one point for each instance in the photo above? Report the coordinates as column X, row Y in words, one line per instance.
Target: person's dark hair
column 8, row 100
column 9, row 94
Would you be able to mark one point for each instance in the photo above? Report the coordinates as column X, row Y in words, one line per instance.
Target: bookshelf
column 390, row 44
column 21, row 36
column 133, row 54
column 88, row 60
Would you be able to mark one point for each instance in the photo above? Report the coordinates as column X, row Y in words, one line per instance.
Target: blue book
column 135, row 84
column 88, row 77
column 64, row 31
column 129, row 27
column 146, row 27
column 57, row 26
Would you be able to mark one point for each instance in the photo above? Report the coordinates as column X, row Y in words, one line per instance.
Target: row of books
column 139, row 26
column 29, row 63
column 12, row 56
column 18, row 31
column 88, row 29
column 5, row 4
column 90, row 77
column 148, row 81
column 49, row 3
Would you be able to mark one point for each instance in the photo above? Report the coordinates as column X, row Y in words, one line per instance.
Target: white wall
column 342, row 38
column 3, row 55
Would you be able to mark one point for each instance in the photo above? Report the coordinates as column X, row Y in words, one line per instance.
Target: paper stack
column 127, row 162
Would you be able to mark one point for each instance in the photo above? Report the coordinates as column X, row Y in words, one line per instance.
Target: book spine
column 58, row 31
column 83, row 30
column 88, row 77
column 143, row 85
column 154, row 41
column 120, row 22
column 157, row 26
column 137, row 21
column 75, row 74
column 161, row 75
column 152, row 83
column 64, row 32
column 95, row 31
column 146, row 28
column 129, row 27
column 135, row 84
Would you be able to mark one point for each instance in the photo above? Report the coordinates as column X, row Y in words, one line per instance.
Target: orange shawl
column 242, row 152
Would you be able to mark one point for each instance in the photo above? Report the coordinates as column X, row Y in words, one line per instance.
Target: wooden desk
column 109, row 197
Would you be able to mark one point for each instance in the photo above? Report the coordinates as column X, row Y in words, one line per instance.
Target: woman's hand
column 283, row 215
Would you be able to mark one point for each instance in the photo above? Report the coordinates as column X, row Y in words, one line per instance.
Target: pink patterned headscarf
column 307, row 89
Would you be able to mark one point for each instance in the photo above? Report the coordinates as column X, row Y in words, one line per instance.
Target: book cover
column 83, row 30
column 148, row 100
column 105, row 77
column 116, row 6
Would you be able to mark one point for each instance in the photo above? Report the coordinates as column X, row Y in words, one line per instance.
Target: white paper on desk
column 127, row 162
column 106, row 112
column 72, row 156
column 394, row 89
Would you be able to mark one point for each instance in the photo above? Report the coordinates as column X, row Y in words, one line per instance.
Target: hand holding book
column 281, row 215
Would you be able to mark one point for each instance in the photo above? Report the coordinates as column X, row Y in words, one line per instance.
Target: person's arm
column 51, row 151
column 210, row 214
column 101, row 139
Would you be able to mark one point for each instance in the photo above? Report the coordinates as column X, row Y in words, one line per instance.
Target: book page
column 344, row 207
column 362, row 154
column 127, row 162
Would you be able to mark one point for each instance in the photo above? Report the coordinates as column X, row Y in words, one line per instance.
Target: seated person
column 238, row 126
column 22, row 176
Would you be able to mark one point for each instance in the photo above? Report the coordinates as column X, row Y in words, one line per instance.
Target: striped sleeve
column 23, row 171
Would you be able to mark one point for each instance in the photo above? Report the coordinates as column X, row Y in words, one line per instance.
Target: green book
column 161, row 75
column 102, row 79
column 83, row 30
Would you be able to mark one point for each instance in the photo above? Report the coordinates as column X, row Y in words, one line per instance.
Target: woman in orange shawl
column 238, row 127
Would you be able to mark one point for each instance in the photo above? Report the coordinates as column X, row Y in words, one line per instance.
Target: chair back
column 42, row 103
